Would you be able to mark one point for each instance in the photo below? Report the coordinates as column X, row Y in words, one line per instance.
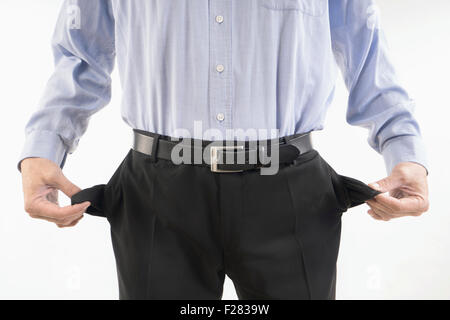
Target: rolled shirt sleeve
column 84, row 53
column 376, row 99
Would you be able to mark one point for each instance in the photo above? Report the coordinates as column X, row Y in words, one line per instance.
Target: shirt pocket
column 315, row 8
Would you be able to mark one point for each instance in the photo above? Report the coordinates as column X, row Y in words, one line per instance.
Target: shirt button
column 220, row 68
column 219, row 19
column 220, row 117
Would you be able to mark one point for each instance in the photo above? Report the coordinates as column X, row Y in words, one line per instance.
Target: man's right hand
column 41, row 180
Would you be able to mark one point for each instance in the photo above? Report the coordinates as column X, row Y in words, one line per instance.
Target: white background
column 407, row 258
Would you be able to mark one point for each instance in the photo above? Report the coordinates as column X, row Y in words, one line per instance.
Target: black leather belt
column 245, row 155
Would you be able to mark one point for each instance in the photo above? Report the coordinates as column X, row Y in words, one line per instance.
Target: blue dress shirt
column 226, row 64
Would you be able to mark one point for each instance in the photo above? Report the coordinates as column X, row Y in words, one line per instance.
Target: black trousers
column 177, row 230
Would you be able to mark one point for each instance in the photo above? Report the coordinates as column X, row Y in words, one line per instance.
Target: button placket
column 220, row 63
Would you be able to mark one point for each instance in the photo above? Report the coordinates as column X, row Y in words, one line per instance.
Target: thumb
column 385, row 185
column 66, row 186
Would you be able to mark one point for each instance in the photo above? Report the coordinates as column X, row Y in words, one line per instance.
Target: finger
column 76, row 221
column 47, row 209
column 62, row 221
column 374, row 215
column 57, row 221
column 411, row 204
column 70, row 224
column 386, row 216
column 382, row 215
column 66, row 186
column 377, row 216
column 386, row 184
column 381, row 207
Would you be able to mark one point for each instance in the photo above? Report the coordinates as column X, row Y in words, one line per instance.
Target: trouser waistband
column 223, row 156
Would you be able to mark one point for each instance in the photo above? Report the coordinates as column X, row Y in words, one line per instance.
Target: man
column 225, row 66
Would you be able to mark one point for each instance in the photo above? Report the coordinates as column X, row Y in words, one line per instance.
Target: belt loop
column 155, row 144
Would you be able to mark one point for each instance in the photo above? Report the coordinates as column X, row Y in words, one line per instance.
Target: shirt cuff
column 44, row 144
column 404, row 149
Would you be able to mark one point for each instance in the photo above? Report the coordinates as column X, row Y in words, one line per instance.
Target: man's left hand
column 405, row 193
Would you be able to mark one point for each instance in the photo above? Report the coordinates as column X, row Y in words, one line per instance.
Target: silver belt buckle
column 214, row 153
